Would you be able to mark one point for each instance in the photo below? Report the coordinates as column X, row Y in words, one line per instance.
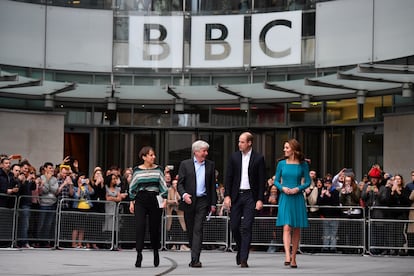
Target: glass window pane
column 123, row 80
column 299, row 115
column 273, row 77
column 375, row 107
column 342, row 111
column 147, row 115
column 78, row 78
column 121, row 28
column 403, row 104
column 200, row 80
column 196, row 115
column 102, row 79
column 218, row 151
column 228, row 116
column 267, row 115
column 231, row 79
column 179, row 147
column 125, row 117
column 38, row 74
column 111, row 148
column 78, row 117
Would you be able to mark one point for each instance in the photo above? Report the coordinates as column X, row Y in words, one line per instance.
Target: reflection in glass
column 375, row 107
column 342, row 111
column 228, row 116
column 267, row 115
column 311, row 115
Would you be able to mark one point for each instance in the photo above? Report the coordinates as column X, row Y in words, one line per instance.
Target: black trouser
column 146, row 203
column 242, row 228
column 194, row 220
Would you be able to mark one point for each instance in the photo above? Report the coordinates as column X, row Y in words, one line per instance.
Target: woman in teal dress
column 292, row 178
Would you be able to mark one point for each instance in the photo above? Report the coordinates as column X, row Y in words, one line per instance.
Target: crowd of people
column 294, row 193
column 377, row 189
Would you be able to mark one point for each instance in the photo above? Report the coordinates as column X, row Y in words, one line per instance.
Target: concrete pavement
column 81, row 262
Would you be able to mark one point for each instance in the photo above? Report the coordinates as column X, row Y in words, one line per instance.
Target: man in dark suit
column 244, row 192
column 196, row 185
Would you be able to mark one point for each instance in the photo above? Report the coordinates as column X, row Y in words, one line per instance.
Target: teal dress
column 292, row 208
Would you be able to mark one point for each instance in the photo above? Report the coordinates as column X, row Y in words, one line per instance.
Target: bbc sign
column 216, row 41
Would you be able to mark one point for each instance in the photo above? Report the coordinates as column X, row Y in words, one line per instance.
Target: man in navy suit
column 244, row 192
column 196, row 185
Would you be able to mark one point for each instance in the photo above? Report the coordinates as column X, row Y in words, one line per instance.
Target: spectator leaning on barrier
column 173, row 201
column 82, row 192
column 373, row 196
column 65, row 187
column 329, row 197
column 98, row 185
column 311, row 195
column 5, row 220
column 271, row 211
column 15, row 183
column 113, row 195
column 47, row 192
column 397, row 196
column 350, row 195
column 4, row 180
column 370, row 191
column 25, row 194
column 410, row 229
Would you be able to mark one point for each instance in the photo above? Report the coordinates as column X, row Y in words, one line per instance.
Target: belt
column 242, row 191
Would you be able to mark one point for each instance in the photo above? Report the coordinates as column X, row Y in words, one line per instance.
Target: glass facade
column 327, row 128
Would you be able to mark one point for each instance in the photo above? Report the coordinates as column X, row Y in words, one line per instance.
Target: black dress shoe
column 195, row 264
column 156, row 258
column 238, row 258
column 139, row 260
column 244, row 264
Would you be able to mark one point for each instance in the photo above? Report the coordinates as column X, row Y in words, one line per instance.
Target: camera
column 83, row 181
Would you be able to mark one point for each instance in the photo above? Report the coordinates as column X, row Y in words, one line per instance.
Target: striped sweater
column 151, row 180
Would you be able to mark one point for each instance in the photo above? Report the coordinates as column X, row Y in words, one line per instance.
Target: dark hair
column 46, row 164
column 108, row 179
column 24, row 163
column 327, row 180
column 14, row 165
column 144, row 151
column 3, row 158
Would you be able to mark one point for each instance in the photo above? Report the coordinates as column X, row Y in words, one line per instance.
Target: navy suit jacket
column 256, row 171
column 187, row 182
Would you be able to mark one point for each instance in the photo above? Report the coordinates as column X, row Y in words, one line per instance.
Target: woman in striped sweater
column 147, row 182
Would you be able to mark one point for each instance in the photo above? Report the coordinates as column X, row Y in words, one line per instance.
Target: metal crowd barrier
column 349, row 236
column 390, row 231
column 7, row 220
column 358, row 230
column 95, row 228
column 215, row 231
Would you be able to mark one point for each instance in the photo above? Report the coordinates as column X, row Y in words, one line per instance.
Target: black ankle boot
column 139, row 259
column 156, row 258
